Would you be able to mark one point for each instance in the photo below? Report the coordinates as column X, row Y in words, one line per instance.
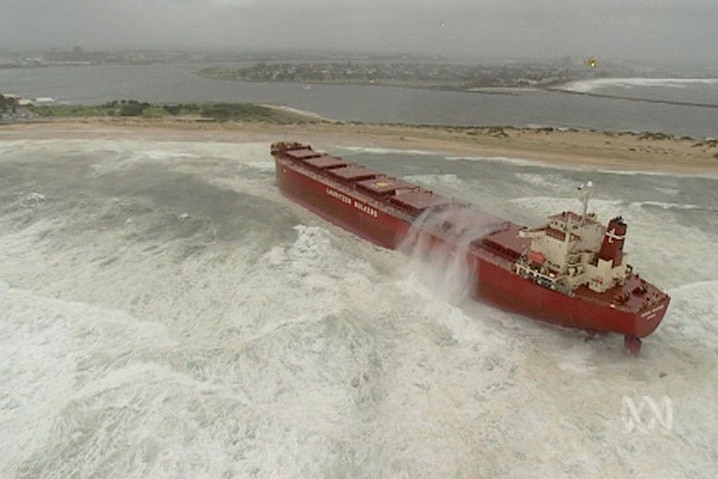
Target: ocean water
column 166, row 313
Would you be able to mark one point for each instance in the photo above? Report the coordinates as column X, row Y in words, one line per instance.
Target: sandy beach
column 625, row 151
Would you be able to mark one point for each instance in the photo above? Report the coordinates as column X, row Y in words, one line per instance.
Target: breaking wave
column 445, row 267
column 586, row 86
column 703, row 93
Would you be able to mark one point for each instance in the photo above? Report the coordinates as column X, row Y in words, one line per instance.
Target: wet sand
column 625, row 151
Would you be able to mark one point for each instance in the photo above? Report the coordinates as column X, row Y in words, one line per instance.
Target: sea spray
column 438, row 245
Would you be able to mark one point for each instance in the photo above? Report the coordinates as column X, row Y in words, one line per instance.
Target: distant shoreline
column 631, row 151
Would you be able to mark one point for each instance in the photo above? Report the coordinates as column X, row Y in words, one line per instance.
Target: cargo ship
column 571, row 271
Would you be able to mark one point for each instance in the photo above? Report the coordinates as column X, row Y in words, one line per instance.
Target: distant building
column 43, row 100
column 22, row 101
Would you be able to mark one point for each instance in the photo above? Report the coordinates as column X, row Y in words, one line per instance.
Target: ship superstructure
column 573, row 250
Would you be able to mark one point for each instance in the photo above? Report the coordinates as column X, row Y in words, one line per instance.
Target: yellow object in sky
column 592, row 62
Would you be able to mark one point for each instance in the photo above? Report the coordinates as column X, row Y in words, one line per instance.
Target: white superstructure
column 575, row 249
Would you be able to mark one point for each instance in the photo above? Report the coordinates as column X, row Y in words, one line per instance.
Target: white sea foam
column 385, row 151
column 585, row 86
column 447, row 183
column 500, row 159
column 666, row 206
column 667, row 191
column 548, row 182
column 300, row 351
column 658, row 173
column 696, row 306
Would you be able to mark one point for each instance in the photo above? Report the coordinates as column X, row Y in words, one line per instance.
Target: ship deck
column 494, row 239
column 391, row 195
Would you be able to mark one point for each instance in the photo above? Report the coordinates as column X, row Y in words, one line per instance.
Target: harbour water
column 675, row 106
column 166, row 313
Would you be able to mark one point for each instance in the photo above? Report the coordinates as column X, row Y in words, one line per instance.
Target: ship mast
column 585, row 193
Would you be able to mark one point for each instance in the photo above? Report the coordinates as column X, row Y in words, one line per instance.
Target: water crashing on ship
column 445, row 267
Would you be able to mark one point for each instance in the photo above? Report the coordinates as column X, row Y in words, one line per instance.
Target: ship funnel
column 612, row 246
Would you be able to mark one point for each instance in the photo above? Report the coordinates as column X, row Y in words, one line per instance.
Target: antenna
column 586, row 191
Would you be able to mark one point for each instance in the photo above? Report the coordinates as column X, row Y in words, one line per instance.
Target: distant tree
column 237, row 111
column 132, row 107
column 8, row 103
column 173, row 110
column 78, row 53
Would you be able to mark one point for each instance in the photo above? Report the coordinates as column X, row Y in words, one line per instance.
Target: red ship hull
column 340, row 192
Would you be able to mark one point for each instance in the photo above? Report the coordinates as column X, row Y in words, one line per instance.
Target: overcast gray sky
column 655, row 30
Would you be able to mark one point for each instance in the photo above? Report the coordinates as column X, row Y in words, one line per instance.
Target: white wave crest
column 587, row 86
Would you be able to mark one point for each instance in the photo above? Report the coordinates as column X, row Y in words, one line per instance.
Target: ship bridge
column 575, row 249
